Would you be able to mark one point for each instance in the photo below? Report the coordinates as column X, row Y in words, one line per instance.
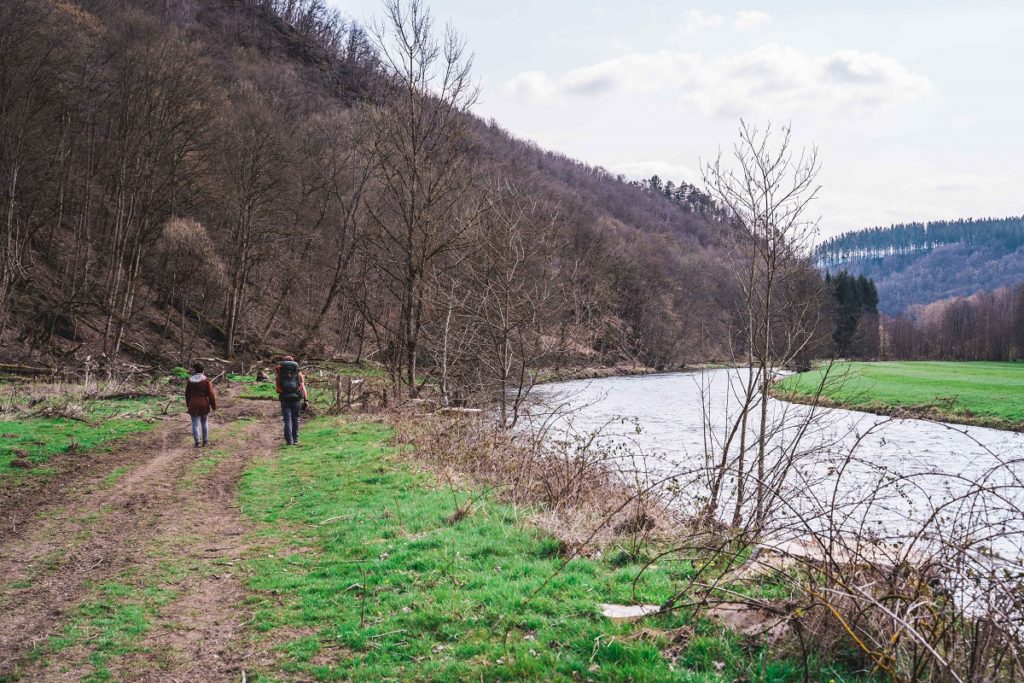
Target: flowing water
column 903, row 476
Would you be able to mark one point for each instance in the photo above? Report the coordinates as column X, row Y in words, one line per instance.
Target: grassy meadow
column 983, row 393
column 369, row 567
column 67, row 424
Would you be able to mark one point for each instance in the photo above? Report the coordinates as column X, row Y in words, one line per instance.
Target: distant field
column 989, row 394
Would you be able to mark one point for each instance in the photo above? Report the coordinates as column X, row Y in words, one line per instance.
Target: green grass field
column 990, row 394
column 98, row 423
column 320, row 394
column 365, row 574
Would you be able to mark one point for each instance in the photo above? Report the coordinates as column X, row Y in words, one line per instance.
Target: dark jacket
column 280, row 390
column 199, row 395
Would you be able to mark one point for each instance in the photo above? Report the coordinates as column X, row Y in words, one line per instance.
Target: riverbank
column 341, row 559
column 984, row 394
column 605, row 371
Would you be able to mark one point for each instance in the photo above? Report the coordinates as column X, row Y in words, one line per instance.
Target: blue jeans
column 290, row 412
column 196, row 421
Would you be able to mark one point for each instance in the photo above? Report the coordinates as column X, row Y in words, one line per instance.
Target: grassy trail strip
column 336, row 560
column 987, row 394
column 117, row 570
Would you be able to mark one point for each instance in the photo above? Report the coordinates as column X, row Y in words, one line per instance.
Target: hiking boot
column 205, row 443
column 295, row 443
column 197, row 445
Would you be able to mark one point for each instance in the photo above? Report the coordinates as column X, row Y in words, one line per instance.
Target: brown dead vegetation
column 572, row 489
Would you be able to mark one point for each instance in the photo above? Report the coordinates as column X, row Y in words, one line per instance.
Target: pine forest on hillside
column 920, row 263
column 947, row 290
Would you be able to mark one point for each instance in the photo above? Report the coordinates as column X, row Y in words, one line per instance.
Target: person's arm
column 188, row 391
column 213, row 396
column 302, row 386
column 277, row 379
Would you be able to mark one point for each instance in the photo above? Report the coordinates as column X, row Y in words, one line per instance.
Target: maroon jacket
column 199, row 395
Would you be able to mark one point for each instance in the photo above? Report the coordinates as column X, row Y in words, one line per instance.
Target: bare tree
column 338, row 179
column 192, row 272
column 423, row 168
column 40, row 44
column 255, row 168
column 766, row 188
column 502, row 306
column 152, row 134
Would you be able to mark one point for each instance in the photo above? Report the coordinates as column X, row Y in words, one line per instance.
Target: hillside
column 224, row 177
column 919, row 263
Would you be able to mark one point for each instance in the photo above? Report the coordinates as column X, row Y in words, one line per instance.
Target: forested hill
column 918, row 263
column 235, row 177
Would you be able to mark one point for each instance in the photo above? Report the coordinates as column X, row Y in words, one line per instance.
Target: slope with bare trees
column 239, row 178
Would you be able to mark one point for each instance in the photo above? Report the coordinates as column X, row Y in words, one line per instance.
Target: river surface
column 890, row 476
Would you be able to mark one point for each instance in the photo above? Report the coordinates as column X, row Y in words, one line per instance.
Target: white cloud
column 636, row 72
column 747, row 20
column 772, row 78
column 951, row 182
column 531, row 86
column 694, row 21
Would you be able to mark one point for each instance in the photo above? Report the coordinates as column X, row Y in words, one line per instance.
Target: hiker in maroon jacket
column 200, row 399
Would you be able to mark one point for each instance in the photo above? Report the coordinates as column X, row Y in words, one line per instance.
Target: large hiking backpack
column 288, row 378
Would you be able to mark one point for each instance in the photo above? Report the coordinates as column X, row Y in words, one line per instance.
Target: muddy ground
column 119, row 516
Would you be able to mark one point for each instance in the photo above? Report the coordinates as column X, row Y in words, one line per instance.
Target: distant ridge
column 918, row 263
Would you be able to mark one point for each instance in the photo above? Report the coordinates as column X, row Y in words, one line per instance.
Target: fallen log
column 121, row 395
column 451, row 410
column 15, row 369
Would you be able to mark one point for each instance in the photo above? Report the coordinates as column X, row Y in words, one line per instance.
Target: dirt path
column 159, row 516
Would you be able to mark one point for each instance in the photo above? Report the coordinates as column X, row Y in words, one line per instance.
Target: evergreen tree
column 856, row 330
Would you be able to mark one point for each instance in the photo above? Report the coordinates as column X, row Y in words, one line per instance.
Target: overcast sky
column 915, row 106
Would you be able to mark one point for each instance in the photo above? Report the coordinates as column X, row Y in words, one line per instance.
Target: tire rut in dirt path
column 201, row 634
column 175, row 502
column 70, row 473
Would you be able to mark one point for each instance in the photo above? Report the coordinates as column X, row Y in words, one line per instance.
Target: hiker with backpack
column 201, row 399
column 291, row 391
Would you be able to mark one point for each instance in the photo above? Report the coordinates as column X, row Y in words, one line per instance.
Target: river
column 904, row 477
